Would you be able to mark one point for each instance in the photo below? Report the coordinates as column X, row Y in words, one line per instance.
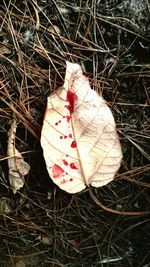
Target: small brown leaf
column 18, row 168
column 4, row 49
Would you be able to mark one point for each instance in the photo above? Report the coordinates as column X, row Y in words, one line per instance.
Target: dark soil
column 42, row 225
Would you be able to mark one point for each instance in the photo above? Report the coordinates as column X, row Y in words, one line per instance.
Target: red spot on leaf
column 61, row 137
column 69, row 108
column 73, row 144
column 71, row 179
column 57, row 171
column 71, row 98
column 72, row 166
column 70, row 135
column 65, row 136
column 68, row 118
column 56, row 123
column 63, row 181
column 65, row 162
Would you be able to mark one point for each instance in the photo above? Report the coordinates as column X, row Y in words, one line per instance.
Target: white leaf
column 18, row 168
column 79, row 139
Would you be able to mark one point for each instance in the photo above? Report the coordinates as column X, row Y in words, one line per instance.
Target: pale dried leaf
column 53, row 29
column 5, row 205
column 79, row 139
column 4, row 49
column 18, row 168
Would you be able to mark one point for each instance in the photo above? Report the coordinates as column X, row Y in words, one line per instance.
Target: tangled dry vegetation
column 41, row 225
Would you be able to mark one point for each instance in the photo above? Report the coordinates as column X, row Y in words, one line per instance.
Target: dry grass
column 45, row 226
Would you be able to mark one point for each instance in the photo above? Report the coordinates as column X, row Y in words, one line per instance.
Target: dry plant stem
column 128, row 213
column 37, row 26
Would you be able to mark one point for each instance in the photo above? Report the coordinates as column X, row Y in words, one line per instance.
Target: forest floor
column 41, row 225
